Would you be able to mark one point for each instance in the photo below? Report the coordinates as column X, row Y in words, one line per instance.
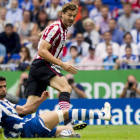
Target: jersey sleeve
column 13, row 105
column 51, row 33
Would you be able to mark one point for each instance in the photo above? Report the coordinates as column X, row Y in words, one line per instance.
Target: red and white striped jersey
column 55, row 34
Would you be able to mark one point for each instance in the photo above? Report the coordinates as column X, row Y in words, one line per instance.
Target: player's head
column 3, row 89
column 69, row 12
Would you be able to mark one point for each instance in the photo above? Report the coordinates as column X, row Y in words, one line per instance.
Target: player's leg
column 37, row 81
column 34, row 91
column 53, row 118
column 61, row 84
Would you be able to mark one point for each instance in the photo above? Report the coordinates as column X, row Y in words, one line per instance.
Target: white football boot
column 107, row 111
column 68, row 134
column 73, row 135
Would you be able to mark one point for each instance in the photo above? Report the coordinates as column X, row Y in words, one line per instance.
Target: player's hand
column 69, row 68
column 45, row 95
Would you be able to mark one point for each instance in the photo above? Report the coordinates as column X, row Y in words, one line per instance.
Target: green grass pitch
column 103, row 132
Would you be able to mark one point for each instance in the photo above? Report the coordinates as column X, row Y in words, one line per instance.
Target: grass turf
column 110, row 132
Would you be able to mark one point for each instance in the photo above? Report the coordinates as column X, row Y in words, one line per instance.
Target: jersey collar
column 63, row 26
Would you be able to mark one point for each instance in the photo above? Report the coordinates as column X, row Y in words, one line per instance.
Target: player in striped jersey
column 43, row 125
column 43, row 72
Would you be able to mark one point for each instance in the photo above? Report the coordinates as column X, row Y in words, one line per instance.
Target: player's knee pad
column 60, row 115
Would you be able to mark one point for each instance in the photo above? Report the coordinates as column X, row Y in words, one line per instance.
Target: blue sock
column 84, row 114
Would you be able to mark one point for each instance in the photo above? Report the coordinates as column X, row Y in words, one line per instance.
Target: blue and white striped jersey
column 10, row 120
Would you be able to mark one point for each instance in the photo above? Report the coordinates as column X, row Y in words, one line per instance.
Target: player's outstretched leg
column 61, row 84
column 53, row 118
column 84, row 114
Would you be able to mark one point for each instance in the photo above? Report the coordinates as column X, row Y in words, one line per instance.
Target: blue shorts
column 35, row 127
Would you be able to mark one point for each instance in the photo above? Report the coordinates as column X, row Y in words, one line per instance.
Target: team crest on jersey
column 62, row 43
column 52, row 32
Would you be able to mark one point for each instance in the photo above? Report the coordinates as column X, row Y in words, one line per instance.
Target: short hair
column 69, row 6
column 84, row 9
column 9, row 25
column 26, row 11
column 127, row 3
column 73, row 47
column 128, row 47
column 113, row 19
column 107, row 32
column 2, row 78
column 105, row 6
column 127, row 34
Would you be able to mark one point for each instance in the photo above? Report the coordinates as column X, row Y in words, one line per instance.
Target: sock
column 84, row 114
column 64, row 103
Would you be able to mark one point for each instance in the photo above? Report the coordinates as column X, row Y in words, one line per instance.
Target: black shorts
column 40, row 73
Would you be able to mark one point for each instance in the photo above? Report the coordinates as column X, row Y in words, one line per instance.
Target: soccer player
column 43, row 72
column 43, row 125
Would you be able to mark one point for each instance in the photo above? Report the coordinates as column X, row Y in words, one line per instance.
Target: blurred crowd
column 104, row 32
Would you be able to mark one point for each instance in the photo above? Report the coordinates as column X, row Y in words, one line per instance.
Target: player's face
column 3, row 89
column 68, row 18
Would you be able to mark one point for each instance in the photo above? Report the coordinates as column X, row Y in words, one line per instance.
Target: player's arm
column 45, row 54
column 28, row 109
